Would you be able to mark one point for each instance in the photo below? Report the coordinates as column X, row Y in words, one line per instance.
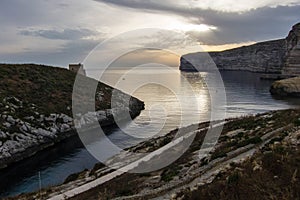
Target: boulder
column 286, row 87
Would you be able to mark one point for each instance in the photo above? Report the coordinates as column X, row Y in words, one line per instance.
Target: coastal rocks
column 278, row 57
column 286, row 87
column 22, row 136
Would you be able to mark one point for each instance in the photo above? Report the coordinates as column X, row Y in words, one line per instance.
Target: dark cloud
column 254, row 25
column 150, row 5
column 66, row 34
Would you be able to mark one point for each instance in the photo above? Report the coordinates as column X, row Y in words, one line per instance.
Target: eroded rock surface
column 286, row 87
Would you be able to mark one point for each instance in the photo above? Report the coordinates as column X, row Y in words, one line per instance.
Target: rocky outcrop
column 286, row 87
column 36, row 108
column 292, row 58
column 265, row 57
column 23, row 137
column 271, row 57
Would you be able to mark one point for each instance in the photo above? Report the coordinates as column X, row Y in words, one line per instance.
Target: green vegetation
column 218, row 154
column 277, row 163
column 253, row 140
column 75, row 176
column 169, row 173
column 279, row 169
column 297, row 122
column 233, row 178
column 49, row 88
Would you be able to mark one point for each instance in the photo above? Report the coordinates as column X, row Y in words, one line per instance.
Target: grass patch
column 297, row 122
column 169, row 173
column 50, row 88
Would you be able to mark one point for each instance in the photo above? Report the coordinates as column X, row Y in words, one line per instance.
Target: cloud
column 256, row 25
column 269, row 21
column 70, row 52
column 187, row 7
column 66, row 34
column 65, row 31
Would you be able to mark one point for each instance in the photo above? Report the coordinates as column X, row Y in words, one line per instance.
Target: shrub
column 233, row 178
column 168, row 174
column 297, row 122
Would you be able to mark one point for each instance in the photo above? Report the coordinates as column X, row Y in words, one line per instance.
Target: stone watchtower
column 77, row 68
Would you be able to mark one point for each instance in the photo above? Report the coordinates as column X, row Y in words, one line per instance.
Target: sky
column 59, row 32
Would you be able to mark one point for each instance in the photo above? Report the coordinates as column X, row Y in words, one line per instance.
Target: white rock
column 67, row 119
column 64, row 127
column 51, row 118
column 53, row 130
column 6, row 124
column 77, row 123
column 31, row 118
column 3, row 135
column 10, row 119
column 12, row 146
column 101, row 115
column 44, row 132
column 24, row 128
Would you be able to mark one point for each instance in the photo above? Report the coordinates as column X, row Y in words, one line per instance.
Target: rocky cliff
column 36, row 109
column 292, row 57
column 275, row 57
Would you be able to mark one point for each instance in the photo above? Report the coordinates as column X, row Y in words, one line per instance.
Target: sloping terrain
column 260, row 150
column 36, row 108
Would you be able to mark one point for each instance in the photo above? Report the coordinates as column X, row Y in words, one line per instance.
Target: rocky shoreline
column 30, row 140
column 242, row 140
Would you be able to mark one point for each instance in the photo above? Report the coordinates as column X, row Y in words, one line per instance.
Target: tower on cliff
column 77, row 68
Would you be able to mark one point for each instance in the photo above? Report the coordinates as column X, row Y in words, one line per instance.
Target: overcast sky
column 58, row 32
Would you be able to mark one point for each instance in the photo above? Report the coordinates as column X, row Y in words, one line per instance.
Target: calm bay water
column 246, row 94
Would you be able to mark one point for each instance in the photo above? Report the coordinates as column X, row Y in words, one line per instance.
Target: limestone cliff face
column 275, row 57
column 264, row 57
column 292, row 58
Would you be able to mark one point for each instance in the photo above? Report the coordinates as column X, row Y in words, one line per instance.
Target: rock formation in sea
column 271, row 57
column 286, row 87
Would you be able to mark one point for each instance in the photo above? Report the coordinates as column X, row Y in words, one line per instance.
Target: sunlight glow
column 180, row 26
column 239, row 5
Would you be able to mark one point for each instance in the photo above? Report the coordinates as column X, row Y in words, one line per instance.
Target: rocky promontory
column 36, row 109
column 286, row 87
column 270, row 57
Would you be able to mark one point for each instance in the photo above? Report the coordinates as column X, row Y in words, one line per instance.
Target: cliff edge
column 270, row 57
column 36, row 108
